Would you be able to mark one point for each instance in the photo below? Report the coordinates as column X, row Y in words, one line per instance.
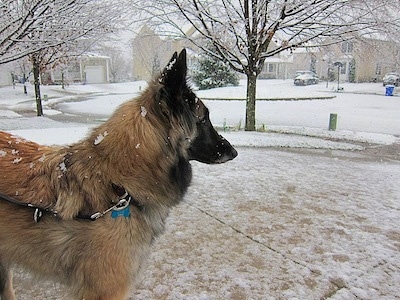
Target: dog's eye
column 203, row 121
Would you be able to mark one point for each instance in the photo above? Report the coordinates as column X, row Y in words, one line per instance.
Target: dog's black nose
column 228, row 154
column 234, row 153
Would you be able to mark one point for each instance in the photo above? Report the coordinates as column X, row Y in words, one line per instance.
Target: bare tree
column 47, row 30
column 32, row 25
column 43, row 60
column 244, row 33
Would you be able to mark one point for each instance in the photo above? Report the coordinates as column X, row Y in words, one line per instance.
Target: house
column 6, row 74
column 151, row 52
column 364, row 59
column 371, row 59
column 89, row 68
column 358, row 60
column 277, row 66
column 95, row 68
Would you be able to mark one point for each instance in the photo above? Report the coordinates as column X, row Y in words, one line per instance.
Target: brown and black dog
column 99, row 203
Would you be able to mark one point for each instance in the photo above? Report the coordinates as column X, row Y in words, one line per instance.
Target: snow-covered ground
column 303, row 213
column 369, row 117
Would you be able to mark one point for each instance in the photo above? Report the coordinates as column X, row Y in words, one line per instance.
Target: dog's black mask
column 207, row 146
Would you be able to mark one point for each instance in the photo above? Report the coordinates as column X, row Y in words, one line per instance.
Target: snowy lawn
column 370, row 117
column 313, row 220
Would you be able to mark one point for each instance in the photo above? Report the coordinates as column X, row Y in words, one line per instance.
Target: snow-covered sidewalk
column 282, row 225
column 276, row 224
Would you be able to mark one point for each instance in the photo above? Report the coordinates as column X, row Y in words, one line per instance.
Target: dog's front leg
column 6, row 288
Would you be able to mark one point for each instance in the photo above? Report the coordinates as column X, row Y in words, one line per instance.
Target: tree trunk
column 25, row 89
column 251, row 102
column 62, row 81
column 36, row 80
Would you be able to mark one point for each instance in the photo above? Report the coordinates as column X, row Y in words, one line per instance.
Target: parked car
column 392, row 78
column 305, row 78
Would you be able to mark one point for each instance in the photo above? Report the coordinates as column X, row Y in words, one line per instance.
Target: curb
column 272, row 99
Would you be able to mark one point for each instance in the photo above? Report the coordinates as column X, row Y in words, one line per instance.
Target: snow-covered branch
column 245, row 32
column 30, row 26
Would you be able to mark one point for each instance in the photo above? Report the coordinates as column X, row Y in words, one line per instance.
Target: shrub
column 211, row 73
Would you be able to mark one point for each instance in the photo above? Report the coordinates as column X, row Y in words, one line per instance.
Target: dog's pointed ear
column 174, row 74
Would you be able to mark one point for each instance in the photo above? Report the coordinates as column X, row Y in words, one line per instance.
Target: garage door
column 95, row 74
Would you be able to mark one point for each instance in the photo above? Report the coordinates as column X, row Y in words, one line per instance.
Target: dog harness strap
column 119, row 209
column 38, row 211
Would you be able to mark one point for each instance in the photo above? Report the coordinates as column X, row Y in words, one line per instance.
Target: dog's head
column 182, row 106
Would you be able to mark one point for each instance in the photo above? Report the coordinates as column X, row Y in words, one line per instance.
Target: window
column 378, row 69
column 74, row 67
column 347, row 47
column 169, row 46
column 270, row 68
column 343, row 69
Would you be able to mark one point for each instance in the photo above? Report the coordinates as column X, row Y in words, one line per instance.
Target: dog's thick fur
column 145, row 147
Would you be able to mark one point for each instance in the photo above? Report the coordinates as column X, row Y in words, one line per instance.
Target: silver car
column 392, row 78
column 305, row 78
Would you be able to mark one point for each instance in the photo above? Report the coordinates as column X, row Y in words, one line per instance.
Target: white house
column 6, row 74
column 89, row 68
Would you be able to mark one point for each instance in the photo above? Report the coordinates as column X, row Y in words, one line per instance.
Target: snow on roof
column 279, row 60
column 95, row 55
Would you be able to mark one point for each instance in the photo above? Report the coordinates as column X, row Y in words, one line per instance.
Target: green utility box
column 332, row 122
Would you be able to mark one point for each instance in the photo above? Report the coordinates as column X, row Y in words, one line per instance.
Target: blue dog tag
column 121, row 213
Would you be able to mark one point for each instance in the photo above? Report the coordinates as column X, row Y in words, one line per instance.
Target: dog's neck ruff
column 118, row 209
